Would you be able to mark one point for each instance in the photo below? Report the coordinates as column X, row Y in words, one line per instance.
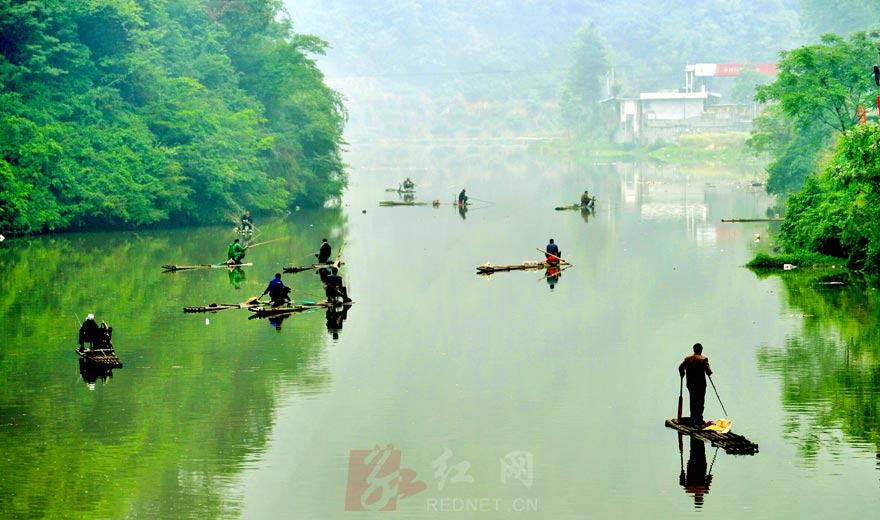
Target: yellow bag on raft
column 720, row 426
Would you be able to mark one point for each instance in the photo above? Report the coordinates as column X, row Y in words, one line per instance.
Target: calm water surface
column 502, row 397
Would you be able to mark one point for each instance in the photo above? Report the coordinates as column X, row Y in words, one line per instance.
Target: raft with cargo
column 731, row 443
column 488, row 268
column 267, row 311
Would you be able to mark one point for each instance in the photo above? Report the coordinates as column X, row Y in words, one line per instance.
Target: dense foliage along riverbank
column 137, row 112
column 838, row 212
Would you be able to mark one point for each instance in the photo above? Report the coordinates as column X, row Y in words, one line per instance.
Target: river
column 502, row 397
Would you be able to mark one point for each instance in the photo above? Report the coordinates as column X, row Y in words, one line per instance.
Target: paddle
column 680, row 391
column 718, row 396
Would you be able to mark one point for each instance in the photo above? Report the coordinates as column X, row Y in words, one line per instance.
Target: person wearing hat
column 89, row 331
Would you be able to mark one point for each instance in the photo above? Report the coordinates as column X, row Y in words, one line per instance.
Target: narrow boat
column 488, row 268
column 168, row 268
column 101, row 357
column 730, row 442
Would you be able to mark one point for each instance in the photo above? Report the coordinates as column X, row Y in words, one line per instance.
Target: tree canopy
column 127, row 113
column 815, row 97
column 584, row 84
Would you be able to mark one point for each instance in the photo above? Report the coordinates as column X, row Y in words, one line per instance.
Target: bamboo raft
column 105, row 358
column 262, row 311
column 299, row 269
column 488, row 268
column 388, row 203
column 168, row 268
column 573, row 206
column 730, row 442
column 214, row 307
column 752, row 219
column 400, row 190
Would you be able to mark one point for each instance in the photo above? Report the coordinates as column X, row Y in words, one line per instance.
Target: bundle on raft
column 387, row 203
column 168, row 268
column 728, row 441
column 488, row 268
column 105, row 358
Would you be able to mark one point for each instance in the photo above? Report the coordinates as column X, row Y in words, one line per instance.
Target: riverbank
column 703, row 153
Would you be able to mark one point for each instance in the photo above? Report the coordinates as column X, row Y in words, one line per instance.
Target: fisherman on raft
column 97, row 336
column 552, row 253
column 334, row 288
column 235, row 252
column 408, row 184
column 696, row 367
column 324, row 252
column 586, row 200
column 462, row 198
column 247, row 225
column 279, row 294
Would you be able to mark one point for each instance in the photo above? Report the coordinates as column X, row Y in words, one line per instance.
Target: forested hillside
column 124, row 113
column 457, row 68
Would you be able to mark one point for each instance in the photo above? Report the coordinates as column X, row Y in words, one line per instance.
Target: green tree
column 584, row 85
column 815, row 96
column 838, row 212
column 126, row 113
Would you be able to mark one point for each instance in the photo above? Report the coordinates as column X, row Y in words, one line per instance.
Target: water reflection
column 697, row 478
column 91, row 373
column 277, row 321
column 552, row 276
column 199, row 396
column 335, row 317
column 586, row 213
column 236, row 277
column 829, row 368
column 462, row 211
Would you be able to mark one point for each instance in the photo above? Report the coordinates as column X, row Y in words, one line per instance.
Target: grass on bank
column 802, row 260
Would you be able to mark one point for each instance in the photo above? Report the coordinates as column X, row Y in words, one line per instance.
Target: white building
column 675, row 106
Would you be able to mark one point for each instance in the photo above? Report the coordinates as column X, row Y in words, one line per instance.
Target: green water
column 217, row 416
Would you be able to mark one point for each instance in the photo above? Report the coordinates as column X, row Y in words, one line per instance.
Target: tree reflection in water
column 830, row 369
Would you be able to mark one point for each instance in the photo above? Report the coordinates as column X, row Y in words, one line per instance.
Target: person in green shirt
column 235, row 252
